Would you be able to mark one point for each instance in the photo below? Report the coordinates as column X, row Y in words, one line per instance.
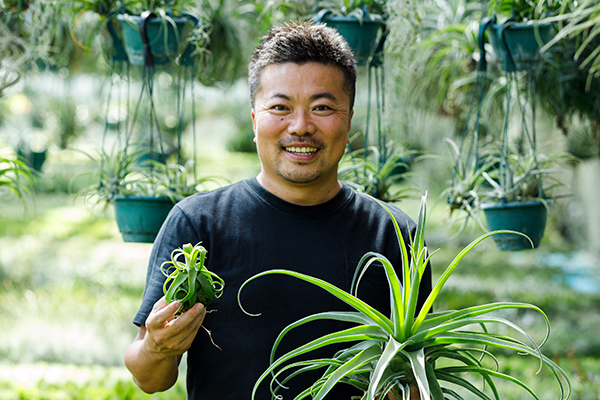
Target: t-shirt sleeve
column 176, row 231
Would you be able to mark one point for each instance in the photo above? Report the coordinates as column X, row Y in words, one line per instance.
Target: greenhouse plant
column 519, row 192
column 376, row 172
column 412, row 347
column 360, row 22
column 16, row 177
column 142, row 195
column 518, row 36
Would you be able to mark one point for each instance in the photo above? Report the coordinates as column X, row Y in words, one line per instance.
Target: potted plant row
column 434, row 354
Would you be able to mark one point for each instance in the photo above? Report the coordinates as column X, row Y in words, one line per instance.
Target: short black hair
column 301, row 43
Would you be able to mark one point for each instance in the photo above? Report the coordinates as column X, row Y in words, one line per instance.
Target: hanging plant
column 517, row 32
column 376, row 172
column 364, row 31
column 419, row 348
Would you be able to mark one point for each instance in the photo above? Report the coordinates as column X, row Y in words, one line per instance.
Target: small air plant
column 190, row 282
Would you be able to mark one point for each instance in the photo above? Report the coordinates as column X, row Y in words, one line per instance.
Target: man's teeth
column 301, row 150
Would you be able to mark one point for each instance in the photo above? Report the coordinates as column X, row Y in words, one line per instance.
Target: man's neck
column 305, row 194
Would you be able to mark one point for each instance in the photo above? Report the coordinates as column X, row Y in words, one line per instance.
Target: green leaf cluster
column 125, row 173
column 377, row 172
column 412, row 347
column 15, row 176
column 190, row 281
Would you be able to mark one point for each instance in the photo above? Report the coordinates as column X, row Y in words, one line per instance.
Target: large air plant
column 412, row 347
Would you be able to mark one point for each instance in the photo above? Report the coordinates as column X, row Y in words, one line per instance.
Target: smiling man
column 295, row 215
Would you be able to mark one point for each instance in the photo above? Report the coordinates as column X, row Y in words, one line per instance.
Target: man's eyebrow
column 326, row 95
column 316, row 96
column 280, row 95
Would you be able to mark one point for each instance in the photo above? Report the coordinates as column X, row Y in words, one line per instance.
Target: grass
column 69, row 288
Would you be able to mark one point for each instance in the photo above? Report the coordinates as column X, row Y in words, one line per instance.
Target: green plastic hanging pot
column 139, row 218
column 363, row 36
column 164, row 37
column 526, row 217
column 518, row 44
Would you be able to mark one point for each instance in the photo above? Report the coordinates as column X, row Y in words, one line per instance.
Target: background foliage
column 69, row 286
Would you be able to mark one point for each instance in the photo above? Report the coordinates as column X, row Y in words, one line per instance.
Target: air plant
column 190, row 282
column 412, row 347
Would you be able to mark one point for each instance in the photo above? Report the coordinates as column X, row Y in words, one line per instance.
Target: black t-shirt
column 247, row 230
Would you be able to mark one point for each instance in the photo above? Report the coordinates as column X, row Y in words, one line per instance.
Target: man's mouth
column 303, row 151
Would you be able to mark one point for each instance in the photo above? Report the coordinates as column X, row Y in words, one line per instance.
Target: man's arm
column 153, row 357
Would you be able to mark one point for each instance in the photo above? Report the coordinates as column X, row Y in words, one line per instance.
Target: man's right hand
column 167, row 336
column 153, row 357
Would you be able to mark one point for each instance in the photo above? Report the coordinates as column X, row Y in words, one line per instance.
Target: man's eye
column 279, row 107
column 322, row 108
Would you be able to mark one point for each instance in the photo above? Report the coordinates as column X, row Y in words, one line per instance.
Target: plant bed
column 527, row 217
column 139, row 218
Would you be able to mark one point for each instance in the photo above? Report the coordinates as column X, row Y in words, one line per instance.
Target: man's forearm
column 150, row 373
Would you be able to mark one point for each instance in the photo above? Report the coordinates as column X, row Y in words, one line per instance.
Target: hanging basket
column 140, row 218
column 363, row 36
column 518, row 44
column 164, row 37
column 525, row 217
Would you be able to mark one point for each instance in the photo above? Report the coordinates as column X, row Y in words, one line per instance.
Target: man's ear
column 253, row 124
column 350, row 124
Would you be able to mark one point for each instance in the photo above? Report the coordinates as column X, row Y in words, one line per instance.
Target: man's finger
column 160, row 315
column 193, row 316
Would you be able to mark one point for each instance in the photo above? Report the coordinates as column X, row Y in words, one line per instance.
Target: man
column 295, row 215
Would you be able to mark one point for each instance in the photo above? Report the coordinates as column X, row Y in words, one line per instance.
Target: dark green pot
column 35, row 159
column 164, row 38
column 518, row 44
column 363, row 37
column 526, row 217
column 140, row 218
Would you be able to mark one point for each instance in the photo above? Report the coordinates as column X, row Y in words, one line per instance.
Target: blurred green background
column 69, row 285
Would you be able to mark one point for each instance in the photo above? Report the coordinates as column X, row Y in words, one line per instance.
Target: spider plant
column 160, row 7
column 189, row 281
column 580, row 20
column 525, row 176
column 377, row 172
column 464, row 191
column 115, row 174
column 178, row 181
column 525, row 10
column 411, row 347
column 16, row 177
column 355, row 8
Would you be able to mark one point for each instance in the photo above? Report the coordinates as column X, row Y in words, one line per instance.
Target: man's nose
column 301, row 123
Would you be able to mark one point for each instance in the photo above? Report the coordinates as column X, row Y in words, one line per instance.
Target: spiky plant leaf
column 389, row 355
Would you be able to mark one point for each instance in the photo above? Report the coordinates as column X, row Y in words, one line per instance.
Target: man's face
column 301, row 118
